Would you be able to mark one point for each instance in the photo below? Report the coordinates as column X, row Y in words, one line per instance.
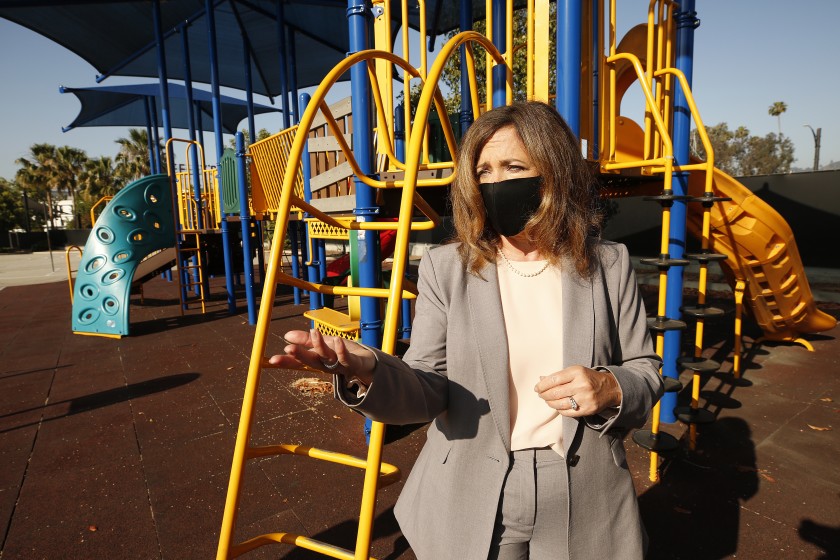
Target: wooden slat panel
column 341, row 171
column 335, row 204
column 338, row 110
column 328, row 144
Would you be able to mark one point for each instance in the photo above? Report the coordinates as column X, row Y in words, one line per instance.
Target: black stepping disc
column 705, row 257
column 703, row 311
column 659, row 443
column 664, row 262
column 672, row 384
column 700, row 365
column 690, row 415
column 662, row 324
column 667, row 198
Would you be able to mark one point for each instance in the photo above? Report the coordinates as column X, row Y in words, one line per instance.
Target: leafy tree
column 262, row 134
column 35, row 174
column 738, row 153
column 97, row 180
column 68, row 165
column 49, row 169
column 451, row 77
column 133, row 156
column 12, row 215
column 776, row 110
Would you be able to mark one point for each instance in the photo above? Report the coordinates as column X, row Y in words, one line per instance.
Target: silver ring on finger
column 572, row 403
column 330, row 366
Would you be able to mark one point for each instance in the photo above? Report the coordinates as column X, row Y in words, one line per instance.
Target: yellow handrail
column 105, row 200
column 70, row 270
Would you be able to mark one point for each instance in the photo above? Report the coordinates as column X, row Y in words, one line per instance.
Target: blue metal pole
column 245, row 220
column 152, row 157
column 368, row 242
column 196, row 177
column 369, row 266
column 568, row 62
column 252, row 134
column 217, row 127
column 284, row 105
column 686, row 23
column 399, row 149
column 281, row 42
column 162, row 76
column 293, row 77
column 499, row 40
column 466, row 116
column 199, row 120
column 292, row 234
column 156, row 133
column 249, row 89
column 316, row 300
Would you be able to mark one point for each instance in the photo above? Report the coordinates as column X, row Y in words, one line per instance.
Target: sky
column 748, row 54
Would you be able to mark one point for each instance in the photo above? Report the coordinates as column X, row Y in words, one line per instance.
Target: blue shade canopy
column 125, row 105
column 117, row 38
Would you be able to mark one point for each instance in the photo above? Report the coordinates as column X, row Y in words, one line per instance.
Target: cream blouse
column 532, row 308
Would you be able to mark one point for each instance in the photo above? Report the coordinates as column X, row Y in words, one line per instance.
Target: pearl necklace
column 519, row 272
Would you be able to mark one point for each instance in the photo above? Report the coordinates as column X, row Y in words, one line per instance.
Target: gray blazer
column 455, row 375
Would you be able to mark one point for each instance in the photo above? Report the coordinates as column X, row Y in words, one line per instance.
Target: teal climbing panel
column 134, row 224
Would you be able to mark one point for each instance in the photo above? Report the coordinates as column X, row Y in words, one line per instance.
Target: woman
column 529, row 354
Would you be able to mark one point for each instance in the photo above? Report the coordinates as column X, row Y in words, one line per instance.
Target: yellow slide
column 759, row 246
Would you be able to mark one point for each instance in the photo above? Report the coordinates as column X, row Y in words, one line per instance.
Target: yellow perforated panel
column 271, row 157
column 321, row 230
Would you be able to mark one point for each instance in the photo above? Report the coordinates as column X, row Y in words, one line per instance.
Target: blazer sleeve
column 413, row 390
column 635, row 365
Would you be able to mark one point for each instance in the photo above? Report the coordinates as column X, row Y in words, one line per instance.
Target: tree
column 262, row 134
column 36, row 176
column 776, row 110
column 738, row 153
column 12, row 214
column 133, row 157
column 451, row 76
column 69, row 163
column 97, row 180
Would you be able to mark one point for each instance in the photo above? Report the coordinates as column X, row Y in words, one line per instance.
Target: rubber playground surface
column 122, row 448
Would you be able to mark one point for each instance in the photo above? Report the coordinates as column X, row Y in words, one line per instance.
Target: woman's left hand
column 579, row 391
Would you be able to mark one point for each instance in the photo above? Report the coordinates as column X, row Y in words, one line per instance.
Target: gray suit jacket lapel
column 578, row 331
column 488, row 322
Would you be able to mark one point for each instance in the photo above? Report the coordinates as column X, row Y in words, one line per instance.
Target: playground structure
column 754, row 246
column 770, row 275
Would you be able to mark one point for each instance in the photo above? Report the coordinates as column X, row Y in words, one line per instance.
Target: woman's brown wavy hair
column 567, row 216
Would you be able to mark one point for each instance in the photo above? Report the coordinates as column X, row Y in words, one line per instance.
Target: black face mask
column 510, row 204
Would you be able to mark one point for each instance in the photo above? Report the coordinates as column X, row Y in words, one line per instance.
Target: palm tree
column 776, row 110
column 133, row 157
column 69, row 164
column 49, row 169
column 35, row 174
column 98, row 179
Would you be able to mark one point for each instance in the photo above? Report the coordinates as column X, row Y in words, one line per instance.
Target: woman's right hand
column 329, row 354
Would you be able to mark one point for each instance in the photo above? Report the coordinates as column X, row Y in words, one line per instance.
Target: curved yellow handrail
column 104, row 199
column 70, row 270
column 668, row 151
column 368, row 57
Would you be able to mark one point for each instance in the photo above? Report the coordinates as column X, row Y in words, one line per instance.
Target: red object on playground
column 340, row 266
